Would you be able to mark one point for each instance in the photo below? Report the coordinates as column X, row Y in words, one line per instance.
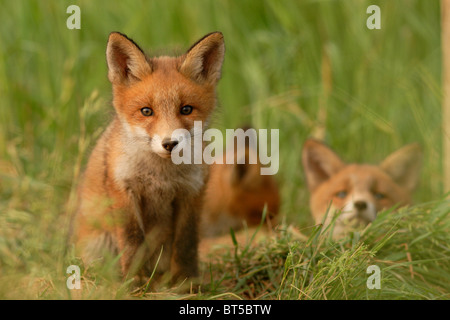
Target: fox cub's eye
column 379, row 195
column 341, row 194
column 186, row 110
column 147, row 112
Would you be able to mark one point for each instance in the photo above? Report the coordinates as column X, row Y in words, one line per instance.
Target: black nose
column 169, row 144
column 360, row 205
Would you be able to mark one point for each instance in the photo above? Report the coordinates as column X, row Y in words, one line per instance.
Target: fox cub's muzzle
column 169, row 144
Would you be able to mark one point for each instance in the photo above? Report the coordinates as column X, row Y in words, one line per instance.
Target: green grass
column 304, row 67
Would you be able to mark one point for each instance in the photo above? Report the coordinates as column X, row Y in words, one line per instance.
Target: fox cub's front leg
column 185, row 244
column 169, row 245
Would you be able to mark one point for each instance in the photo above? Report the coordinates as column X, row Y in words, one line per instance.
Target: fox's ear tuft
column 319, row 163
column 126, row 61
column 238, row 173
column 404, row 165
column 246, row 167
column 203, row 61
column 246, row 175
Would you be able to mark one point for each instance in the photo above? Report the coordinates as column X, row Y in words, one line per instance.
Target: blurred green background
column 304, row 67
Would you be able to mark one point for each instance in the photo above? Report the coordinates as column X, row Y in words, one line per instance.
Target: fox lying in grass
column 236, row 195
column 134, row 200
column 357, row 191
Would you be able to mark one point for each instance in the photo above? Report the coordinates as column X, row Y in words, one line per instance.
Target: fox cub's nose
column 360, row 205
column 169, row 144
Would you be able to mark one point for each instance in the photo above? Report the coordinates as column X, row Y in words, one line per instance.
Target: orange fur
column 133, row 199
column 236, row 195
column 358, row 191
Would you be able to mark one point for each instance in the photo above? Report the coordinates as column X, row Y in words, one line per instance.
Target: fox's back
column 236, row 194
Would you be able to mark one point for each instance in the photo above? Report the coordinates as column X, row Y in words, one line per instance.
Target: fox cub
column 134, row 201
column 358, row 191
column 236, row 195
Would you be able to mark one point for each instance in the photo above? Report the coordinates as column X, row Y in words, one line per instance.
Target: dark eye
column 186, row 110
column 341, row 194
column 147, row 112
column 379, row 195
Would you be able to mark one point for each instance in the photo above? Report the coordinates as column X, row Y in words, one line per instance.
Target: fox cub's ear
column 319, row 163
column 126, row 61
column 203, row 61
column 246, row 167
column 404, row 165
column 247, row 174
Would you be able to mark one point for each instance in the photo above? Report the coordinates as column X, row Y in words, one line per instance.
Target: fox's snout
column 360, row 205
column 361, row 210
column 163, row 146
column 169, row 144
column 365, row 211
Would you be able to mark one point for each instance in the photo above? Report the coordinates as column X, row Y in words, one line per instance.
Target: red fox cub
column 358, row 191
column 236, row 194
column 134, row 201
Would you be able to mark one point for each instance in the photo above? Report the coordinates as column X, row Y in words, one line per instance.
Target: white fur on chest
column 157, row 178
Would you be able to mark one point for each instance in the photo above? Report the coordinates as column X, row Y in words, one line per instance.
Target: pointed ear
column 126, row 61
column 319, row 163
column 404, row 165
column 238, row 173
column 203, row 61
column 246, row 174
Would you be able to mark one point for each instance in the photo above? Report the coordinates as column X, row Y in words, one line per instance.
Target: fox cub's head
column 358, row 191
column 155, row 96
